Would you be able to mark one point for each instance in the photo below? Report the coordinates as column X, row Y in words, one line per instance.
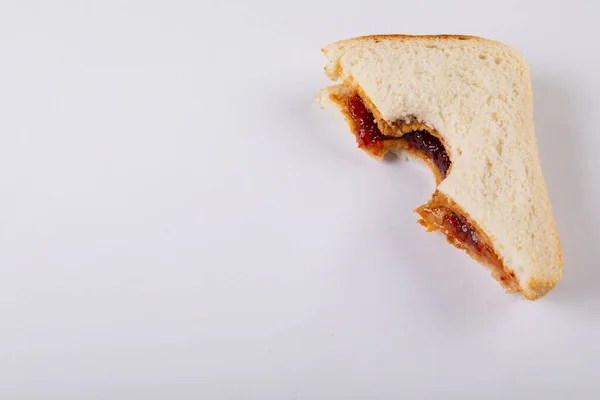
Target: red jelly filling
column 462, row 231
column 368, row 134
column 461, row 234
column 428, row 144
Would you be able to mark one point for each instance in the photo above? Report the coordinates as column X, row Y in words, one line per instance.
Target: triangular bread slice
column 464, row 105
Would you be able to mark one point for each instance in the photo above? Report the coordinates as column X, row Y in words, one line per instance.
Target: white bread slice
column 476, row 94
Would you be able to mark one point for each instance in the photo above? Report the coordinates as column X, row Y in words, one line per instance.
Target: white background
column 179, row 220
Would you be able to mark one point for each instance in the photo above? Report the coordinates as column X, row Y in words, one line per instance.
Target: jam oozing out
column 463, row 231
column 369, row 135
column 430, row 145
column 462, row 235
column 368, row 131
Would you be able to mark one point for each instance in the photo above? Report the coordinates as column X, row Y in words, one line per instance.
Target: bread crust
column 335, row 73
column 398, row 36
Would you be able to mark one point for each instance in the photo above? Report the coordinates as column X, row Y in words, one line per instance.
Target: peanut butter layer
column 442, row 215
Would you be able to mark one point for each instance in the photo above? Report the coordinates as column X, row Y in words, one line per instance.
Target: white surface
column 179, row 220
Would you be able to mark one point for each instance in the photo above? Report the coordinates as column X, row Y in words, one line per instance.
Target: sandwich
column 463, row 105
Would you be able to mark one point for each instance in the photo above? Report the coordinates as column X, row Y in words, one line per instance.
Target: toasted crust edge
column 539, row 288
column 335, row 72
column 383, row 36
